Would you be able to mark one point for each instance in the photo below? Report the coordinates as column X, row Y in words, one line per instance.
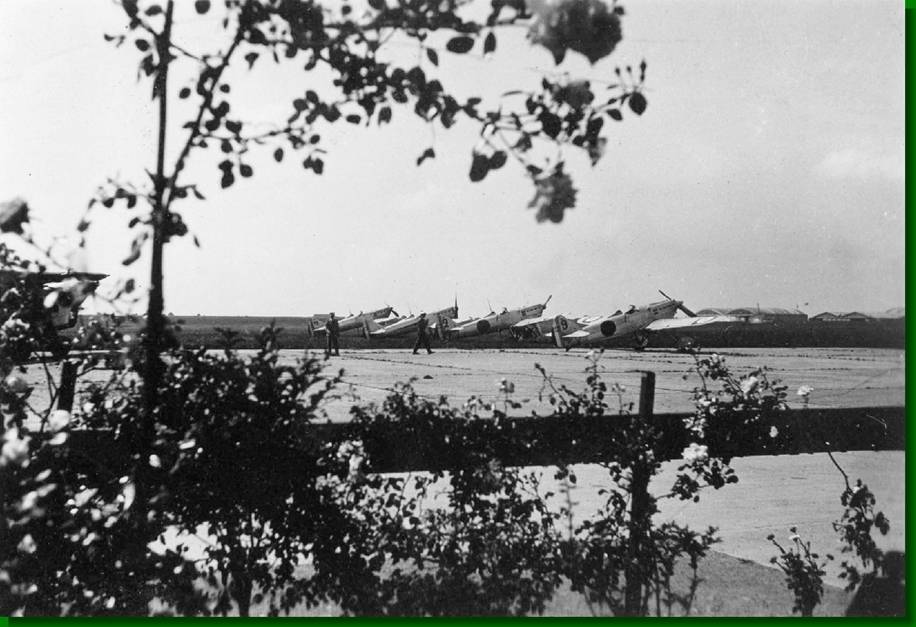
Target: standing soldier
column 422, row 334
column 332, row 327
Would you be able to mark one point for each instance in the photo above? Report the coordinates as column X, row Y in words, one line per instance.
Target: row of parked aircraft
column 529, row 323
column 65, row 292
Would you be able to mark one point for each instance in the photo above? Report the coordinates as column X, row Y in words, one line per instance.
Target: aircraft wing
column 56, row 277
column 666, row 324
column 577, row 334
column 529, row 321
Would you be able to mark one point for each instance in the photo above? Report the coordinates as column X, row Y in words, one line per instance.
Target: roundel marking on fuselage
column 483, row 326
column 608, row 328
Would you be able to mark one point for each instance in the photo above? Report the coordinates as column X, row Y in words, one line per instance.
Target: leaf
column 637, row 103
column 142, row 45
column 489, row 44
column 433, row 56
column 429, row 153
column 550, row 123
column 184, row 93
column 594, row 128
column 135, row 249
column 353, row 118
column 384, row 115
column 480, row 165
column 615, row 114
column 278, row 155
column 460, row 44
column 245, row 170
column 300, row 104
column 497, row 160
column 202, row 6
column 154, row 10
column 251, row 57
column 13, row 215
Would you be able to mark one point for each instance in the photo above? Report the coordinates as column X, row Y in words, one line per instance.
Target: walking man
column 422, row 334
column 332, row 328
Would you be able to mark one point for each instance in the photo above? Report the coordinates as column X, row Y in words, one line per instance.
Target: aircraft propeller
column 680, row 305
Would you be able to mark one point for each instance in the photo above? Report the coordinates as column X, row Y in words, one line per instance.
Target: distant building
column 896, row 313
column 829, row 316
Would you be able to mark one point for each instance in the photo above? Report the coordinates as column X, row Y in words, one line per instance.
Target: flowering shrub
column 855, row 527
column 477, row 538
column 804, row 573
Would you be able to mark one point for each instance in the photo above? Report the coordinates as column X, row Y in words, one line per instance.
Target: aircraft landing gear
column 642, row 341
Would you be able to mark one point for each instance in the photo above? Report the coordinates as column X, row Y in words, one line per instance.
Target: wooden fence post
column 67, row 385
column 639, row 504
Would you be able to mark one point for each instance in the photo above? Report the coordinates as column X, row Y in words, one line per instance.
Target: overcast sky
column 768, row 168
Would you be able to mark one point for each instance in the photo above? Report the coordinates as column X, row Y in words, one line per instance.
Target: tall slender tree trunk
column 153, row 366
column 153, row 340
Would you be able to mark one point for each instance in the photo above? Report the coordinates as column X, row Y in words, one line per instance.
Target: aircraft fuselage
column 622, row 324
column 497, row 321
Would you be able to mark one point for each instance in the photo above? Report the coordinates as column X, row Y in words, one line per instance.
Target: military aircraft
column 361, row 323
column 497, row 322
column 439, row 321
column 547, row 327
column 636, row 322
column 63, row 292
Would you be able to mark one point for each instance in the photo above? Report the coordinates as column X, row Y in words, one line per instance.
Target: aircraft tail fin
column 369, row 326
column 443, row 325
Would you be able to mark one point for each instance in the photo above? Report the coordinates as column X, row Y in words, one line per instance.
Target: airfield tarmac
column 773, row 494
column 841, row 377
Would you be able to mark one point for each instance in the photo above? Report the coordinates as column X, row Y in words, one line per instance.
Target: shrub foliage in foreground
column 237, row 506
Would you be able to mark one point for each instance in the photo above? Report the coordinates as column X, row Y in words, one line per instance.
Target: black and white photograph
column 452, row 308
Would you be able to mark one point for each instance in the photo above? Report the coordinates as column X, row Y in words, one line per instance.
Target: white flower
column 695, row 453
column 82, row 497
column 29, row 501
column 15, row 449
column 774, row 432
column 17, row 384
column 51, row 299
column 350, row 448
column 27, row 544
column 805, row 390
column 749, row 384
column 59, row 419
column 794, row 537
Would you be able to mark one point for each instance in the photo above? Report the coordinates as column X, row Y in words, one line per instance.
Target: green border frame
column 910, row 303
